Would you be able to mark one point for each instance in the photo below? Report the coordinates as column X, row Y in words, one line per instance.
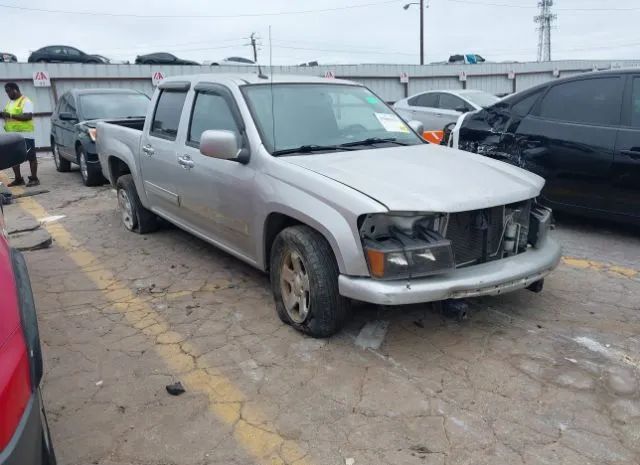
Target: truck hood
column 425, row 178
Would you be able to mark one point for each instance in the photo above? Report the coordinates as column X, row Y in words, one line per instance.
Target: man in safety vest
column 18, row 118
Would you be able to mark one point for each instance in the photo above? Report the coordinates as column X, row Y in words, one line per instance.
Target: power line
column 361, row 52
column 510, row 5
column 242, row 15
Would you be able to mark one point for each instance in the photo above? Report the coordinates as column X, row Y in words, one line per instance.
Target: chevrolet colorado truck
column 321, row 184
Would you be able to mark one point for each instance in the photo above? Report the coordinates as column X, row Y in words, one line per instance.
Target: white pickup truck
column 321, row 184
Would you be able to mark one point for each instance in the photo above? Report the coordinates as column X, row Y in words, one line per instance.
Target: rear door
column 569, row 139
column 158, row 157
column 625, row 179
column 424, row 108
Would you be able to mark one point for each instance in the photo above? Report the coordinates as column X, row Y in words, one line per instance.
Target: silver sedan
column 437, row 108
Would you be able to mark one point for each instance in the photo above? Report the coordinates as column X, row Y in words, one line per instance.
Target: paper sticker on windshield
column 372, row 100
column 391, row 123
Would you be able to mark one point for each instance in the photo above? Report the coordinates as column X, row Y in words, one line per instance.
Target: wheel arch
column 346, row 256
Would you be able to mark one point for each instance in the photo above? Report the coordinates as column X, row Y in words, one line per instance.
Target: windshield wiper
column 310, row 149
column 373, row 141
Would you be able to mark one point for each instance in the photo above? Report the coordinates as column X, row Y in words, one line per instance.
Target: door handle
column 148, row 150
column 634, row 154
column 186, row 162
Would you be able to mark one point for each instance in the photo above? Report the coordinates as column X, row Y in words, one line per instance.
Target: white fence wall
column 382, row 79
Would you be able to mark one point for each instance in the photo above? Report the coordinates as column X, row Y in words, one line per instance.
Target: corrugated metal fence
column 496, row 78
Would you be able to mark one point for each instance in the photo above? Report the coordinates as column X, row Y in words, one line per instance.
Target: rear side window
column 424, row 100
column 524, row 106
column 635, row 103
column 451, row 102
column 166, row 118
column 210, row 111
column 590, row 101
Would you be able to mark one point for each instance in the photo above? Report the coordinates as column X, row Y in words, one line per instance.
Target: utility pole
column 254, row 45
column 422, row 32
column 544, row 19
column 422, row 7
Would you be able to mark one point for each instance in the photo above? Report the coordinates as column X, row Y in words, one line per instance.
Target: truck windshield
column 113, row 105
column 314, row 116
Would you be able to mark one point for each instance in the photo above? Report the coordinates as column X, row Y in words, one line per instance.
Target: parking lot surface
column 549, row 378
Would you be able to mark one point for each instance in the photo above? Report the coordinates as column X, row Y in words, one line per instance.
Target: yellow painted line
column 251, row 428
column 593, row 265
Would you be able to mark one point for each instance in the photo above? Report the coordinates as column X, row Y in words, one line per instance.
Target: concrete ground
column 550, row 378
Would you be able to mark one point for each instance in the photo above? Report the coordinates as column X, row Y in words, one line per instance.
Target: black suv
column 63, row 54
column 73, row 126
column 582, row 134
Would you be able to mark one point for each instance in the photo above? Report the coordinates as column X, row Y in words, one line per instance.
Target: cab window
column 210, row 111
column 166, row 118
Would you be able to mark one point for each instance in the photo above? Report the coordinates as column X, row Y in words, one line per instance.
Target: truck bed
column 120, row 139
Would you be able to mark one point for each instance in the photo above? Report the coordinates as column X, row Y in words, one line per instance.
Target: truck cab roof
column 241, row 79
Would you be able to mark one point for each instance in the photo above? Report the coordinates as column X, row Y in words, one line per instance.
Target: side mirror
column 66, row 116
column 462, row 109
column 219, row 144
column 13, row 149
column 417, row 126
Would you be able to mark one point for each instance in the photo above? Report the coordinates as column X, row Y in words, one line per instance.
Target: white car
column 437, row 108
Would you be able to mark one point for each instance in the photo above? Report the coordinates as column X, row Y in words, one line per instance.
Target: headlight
column 539, row 225
column 93, row 133
column 405, row 245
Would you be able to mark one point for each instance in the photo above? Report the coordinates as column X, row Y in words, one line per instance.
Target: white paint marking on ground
column 372, row 334
column 51, row 219
column 595, row 346
column 572, row 360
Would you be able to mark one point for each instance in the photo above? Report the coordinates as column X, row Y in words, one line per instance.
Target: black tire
column 62, row 164
column 48, row 453
column 142, row 220
column 90, row 173
column 327, row 309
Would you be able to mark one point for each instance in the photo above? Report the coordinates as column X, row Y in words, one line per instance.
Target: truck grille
column 466, row 231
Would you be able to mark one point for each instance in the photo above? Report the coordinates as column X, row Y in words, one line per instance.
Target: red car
column 24, row 433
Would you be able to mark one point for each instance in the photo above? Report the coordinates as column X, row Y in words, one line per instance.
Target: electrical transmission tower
column 544, row 19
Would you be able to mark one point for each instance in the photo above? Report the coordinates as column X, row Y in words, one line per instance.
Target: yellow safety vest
column 14, row 107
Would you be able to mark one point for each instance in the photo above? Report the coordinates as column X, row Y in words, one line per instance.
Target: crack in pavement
column 225, row 399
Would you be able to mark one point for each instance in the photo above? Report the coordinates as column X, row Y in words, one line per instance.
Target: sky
column 353, row 31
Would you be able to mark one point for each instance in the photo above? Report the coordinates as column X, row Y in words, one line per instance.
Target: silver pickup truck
column 319, row 183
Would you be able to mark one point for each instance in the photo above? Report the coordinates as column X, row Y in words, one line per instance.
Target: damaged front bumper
column 492, row 278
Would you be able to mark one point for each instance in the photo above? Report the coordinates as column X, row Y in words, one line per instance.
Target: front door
column 569, row 139
column 69, row 129
column 158, row 157
column 216, row 195
column 450, row 108
column 625, row 179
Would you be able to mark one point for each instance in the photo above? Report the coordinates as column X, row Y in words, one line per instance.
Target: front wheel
column 91, row 175
column 134, row 216
column 304, row 282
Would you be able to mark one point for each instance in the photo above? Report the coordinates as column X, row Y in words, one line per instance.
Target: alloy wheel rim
column 83, row 166
column 56, row 156
column 126, row 211
column 294, row 287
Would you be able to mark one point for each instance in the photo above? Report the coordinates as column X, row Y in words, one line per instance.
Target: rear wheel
column 62, row 165
column 304, row 281
column 90, row 172
column 134, row 216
